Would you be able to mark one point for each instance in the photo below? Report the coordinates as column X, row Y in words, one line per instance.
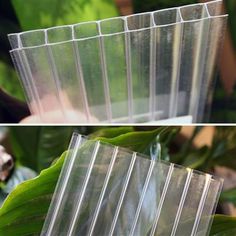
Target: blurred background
column 17, row 15
column 26, row 151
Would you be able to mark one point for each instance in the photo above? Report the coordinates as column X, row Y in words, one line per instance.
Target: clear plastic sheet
column 108, row 190
column 139, row 68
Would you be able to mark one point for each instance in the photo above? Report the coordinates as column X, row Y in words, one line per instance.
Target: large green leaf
column 223, row 226
column 39, row 14
column 111, row 132
column 24, row 210
column 37, row 146
column 140, row 141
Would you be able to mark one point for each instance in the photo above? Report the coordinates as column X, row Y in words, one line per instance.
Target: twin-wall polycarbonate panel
column 139, row 68
column 108, row 190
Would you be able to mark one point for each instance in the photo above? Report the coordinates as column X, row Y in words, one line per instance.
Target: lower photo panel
column 127, row 180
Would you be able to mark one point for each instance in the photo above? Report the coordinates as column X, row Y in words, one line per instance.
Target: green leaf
column 223, row 226
column 227, row 159
column 226, row 137
column 224, row 147
column 111, row 132
column 58, row 12
column 187, row 155
column 229, row 196
column 197, row 159
column 24, row 210
column 139, row 141
column 37, row 146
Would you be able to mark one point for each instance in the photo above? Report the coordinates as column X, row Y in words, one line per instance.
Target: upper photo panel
column 118, row 62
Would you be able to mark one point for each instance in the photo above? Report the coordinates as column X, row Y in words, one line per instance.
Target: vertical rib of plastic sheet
column 195, row 31
column 65, row 66
column 30, row 95
column 129, row 71
column 55, row 79
column 122, row 194
column 217, row 26
column 193, row 203
column 102, row 194
column 175, row 77
column 25, row 41
column 78, row 204
column 152, row 73
column 201, row 204
column 171, row 202
column 72, row 198
column 112, row 194
column 88, row 201
column 139, row 33
column 182, row 201
column 113, row 40
column 168, row 35
column 209, row 207
column 104, row 76
column 60, row 191
column 36, row 104
column 37, row 60
column 136, row 190
column 32, row 43
column 141, row 197
column 154, row 213
column 199, row 63
column 89, row 52
column 80, row 77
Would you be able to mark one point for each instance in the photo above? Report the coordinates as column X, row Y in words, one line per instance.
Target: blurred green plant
column 8, row 78
column 220, row 153
column 57, row 12
column 152, row 5
column 36, row 193
column 37, row 146
column 12, row 87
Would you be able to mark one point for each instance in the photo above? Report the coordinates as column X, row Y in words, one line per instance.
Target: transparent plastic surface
column 108, row 190
column 131, row 69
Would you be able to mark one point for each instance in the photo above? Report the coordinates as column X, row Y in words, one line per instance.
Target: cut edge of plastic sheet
column 76, row 143
column 16, row 42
